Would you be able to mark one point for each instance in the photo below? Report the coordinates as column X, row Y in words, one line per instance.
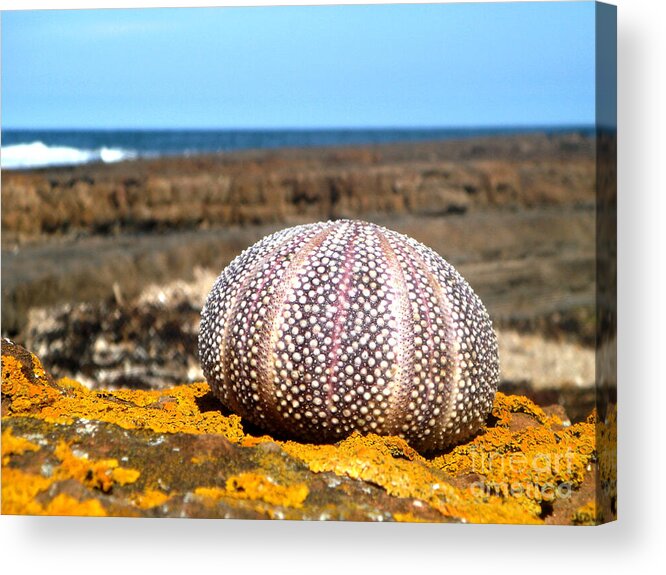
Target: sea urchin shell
column 322, row 329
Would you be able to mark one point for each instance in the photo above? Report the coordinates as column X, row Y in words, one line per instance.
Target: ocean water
column 22, row 149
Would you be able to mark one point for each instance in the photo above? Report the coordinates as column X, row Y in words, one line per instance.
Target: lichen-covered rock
column 67, row 450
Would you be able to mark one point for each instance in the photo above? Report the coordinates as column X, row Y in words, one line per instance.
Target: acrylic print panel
column 337, row 263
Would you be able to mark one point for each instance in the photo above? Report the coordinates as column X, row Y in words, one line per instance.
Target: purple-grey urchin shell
column 322, row 329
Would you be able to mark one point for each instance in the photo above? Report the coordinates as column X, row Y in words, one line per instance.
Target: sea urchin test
column 323, row 329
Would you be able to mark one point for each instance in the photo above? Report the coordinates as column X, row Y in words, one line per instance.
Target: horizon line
column 306, row 128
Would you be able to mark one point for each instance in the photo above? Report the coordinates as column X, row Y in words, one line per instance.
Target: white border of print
column 80, row 545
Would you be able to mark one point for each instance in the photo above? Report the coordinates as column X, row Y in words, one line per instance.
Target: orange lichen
column 373, row 459
column 101, row 474
column 150, row 498
column 19, row 491
column 126, row 408
column 214, row 493
column 408, row 518
column 532, row 455
column 12, row 445
column 531, row 465
column 25, row 395
column 124, row 476
column 253, row 441
column 585, row 515
column 505, row 406
column 144, row 410
column 201, row 459
column 67, row 383
column 65, row 505
column 255, row 487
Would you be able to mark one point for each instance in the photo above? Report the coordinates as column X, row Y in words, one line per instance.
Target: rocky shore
column 105, row 267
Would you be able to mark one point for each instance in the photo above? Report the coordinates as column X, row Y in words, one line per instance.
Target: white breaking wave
column 39, row 155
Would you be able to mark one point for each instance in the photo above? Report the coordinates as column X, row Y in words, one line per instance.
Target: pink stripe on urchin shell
column 323, row 329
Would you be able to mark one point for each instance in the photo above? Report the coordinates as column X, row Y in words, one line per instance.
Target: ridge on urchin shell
column 323, row 329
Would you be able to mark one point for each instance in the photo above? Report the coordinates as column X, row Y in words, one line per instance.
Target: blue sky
column 443, row 65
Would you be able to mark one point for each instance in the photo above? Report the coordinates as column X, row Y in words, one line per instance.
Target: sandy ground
column 544, row 363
